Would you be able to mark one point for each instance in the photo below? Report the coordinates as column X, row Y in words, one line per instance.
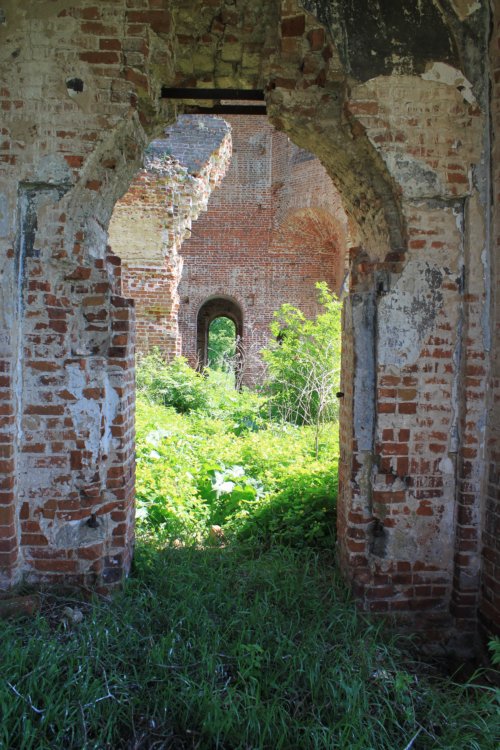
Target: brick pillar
column 489, row 606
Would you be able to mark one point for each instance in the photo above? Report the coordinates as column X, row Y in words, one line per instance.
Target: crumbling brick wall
column 256, row 244
column 274, row 228
column 154, row 217
column 400, row 122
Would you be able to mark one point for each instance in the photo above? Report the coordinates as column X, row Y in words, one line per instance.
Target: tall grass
column 218, row 648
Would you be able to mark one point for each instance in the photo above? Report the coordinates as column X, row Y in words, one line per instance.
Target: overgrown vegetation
column 222, row 345
column 303, row 362
column 259, row 483
column 234, row 630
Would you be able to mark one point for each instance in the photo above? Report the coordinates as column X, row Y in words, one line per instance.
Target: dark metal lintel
column 225, row 109
column 249, row 95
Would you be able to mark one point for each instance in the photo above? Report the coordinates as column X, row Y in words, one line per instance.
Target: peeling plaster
column 74, row 534
column 110, row 409
column 363, row 321
column 450, row 76
column 86, row 416
column 415, row 178
column 465, row 8
column 407, row 313
column 5, row 218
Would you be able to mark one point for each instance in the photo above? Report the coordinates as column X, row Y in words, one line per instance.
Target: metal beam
column 249, row 95
column 226, row 109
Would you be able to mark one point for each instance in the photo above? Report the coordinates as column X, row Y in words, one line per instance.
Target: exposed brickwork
column 407, row 147
column 154, row 217
column 489, row 608
column 425, row 435
column 273, row 228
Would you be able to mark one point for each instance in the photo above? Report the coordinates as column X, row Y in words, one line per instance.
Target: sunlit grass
column 208, row 648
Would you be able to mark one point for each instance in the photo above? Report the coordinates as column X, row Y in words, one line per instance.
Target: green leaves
column 175, row 384
column 262, row 486
column 494, row 646
column 222, row 345
column 304, row 362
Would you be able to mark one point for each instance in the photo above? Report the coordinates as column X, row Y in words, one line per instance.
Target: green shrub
column 222, row 345
column 226, row 489
column 246, row 409
column 494, row 646
column 301, row 513
column 195, row 470
column 303, row 362
column 175, row 384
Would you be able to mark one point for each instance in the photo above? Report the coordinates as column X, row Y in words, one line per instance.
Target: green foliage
column 178, row 386
column 175, row 384
column 222, row 345
column 264, row 484
column 226, row 489
column 494, row 646
column 300, row 513
column 245, row 409
column 304, row 362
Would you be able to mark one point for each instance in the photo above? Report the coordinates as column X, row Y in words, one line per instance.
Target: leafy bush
column 304, row 362
column 494, row 646
column 246, row 409
column 222, row 345
column 302, row 513
column 226, row 489
column 175, row 384
column 187, row 391
column 194, row 471
column 211, row 456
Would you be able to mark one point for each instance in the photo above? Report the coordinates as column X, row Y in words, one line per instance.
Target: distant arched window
column 211, row 310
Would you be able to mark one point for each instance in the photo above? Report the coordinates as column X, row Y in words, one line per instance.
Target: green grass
column 250, row 641
column 217, row 648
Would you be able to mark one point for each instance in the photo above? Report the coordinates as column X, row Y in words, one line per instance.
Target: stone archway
column 210, row 310
column 401, row 132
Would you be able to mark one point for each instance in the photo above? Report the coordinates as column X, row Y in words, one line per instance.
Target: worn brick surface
column 154, row 217
column 273, row 228
column 489, row 608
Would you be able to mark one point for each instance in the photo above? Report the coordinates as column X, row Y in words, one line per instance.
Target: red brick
column 293, row 26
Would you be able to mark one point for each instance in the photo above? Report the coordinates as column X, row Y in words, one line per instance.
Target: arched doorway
column 401, row 135
column 210, row 311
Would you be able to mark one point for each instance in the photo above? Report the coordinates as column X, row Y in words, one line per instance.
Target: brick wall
column 489, row 608
column 411, row 547
column 154, row 217
column 273, row 229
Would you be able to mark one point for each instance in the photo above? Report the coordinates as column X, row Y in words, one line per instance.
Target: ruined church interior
column 376, row 141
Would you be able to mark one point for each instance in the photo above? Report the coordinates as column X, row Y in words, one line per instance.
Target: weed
column 216, row 648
